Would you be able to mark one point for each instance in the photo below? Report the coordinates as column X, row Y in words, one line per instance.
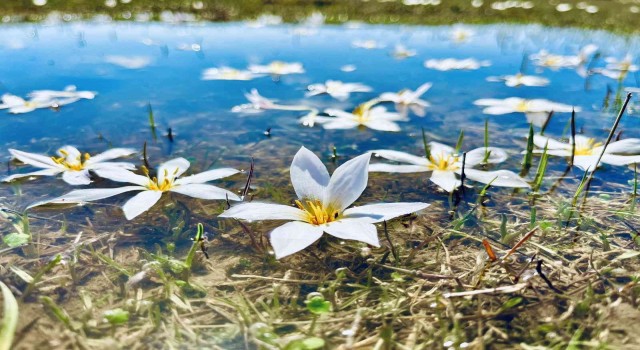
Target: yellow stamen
column 445, row 162
column 64, row 161
column 317, row 214
column 586, row 148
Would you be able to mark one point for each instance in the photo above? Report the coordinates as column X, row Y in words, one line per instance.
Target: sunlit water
column 206, row 131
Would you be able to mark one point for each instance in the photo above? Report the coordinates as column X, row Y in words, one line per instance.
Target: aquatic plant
column 323, row 206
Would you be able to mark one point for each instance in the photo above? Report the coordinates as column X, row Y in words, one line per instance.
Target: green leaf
column 16, row 239
column 511, row 303
column 318, row 305
column 313, row 343
column 10, row 318
column 117, row 316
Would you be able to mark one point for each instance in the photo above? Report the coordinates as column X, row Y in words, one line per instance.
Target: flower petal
column 140, row 203
column 476, row 156
column 172, row 169
column 87, row 195
column 615, row 159
column 353, row 229
column 309, row 176
column 206, row 176
column 537, row 118
column 110, row 154
column 339, row 124
column 586, row 163
column 445, row 180
column 76, row 177
column 381, row 125
column 402, row 157
column 339, row 113
column 293, row 237
column 122, row 175
column 43, row 172
column 626, row 146
column 204, row 191
column 394, row 168
column 498, row 110
column 264, row 211
column 540, row 142
column 34, row 159
column 500, row 178
column 441, row 149
column 382, row 211
column 347, row 183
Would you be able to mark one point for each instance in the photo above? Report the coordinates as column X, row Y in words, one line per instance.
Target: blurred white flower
column 408, row 99
column 227, row 73
column 376, row 118
column 336, row 89
column 536, row 110
column 18, row 105
column 520, row 79
column 367, row 44
column 129, row 62
column 401, row 51
column 277, row 68
column 454, row 64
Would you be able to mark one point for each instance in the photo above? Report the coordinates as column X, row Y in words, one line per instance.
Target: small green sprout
column 116, row 316
column 317, row 305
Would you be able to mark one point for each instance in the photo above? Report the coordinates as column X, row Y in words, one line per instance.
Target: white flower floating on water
column 322, row 206
column 168, row 180
column 520, row 80
column 461, row 34
column 18, row 105
column 408, row 99
column 44, row 99
column 258, row 103
column 336, row 89
column 71, row 163
column 623, row 152
column 367, row 44
column 376, row 118
column 618, row 69
column 277, row 68
column 227, row 73
column 401, row 52
column 536, row 110
column 456, row 64
column 546, row 59
column 445, row 163
column 129, row 62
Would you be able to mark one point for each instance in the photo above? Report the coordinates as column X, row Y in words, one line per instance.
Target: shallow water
column 198, row 112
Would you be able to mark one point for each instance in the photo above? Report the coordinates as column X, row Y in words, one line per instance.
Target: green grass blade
column 9, row 319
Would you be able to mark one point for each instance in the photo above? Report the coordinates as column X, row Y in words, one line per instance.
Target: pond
column 164, row 90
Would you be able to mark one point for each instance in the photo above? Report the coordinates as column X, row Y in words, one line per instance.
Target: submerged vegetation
column 445, row 228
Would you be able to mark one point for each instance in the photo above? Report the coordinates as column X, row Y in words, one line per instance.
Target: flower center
column 316, row 213
column 362, row 114
column 231, row 73
column 446, row 162
column 277, row 67
column 76, row 164
column 523, row 106
column 585, row 148
column 165, row 185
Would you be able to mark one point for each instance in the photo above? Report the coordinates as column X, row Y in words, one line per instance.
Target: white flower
column 336, row 89
column 545, row 59
column 536, row 110
column 277, row 68
column 151, row 189
column 408, row 98
column 71, row 163
column 61, row 98
column 444, row 163
column 17, row 105
column 367, row 44
column 322, row 206
column 376, row 118
column 227, row 73
column 401, row 51
column 454, row 63
column 520, row 79
column 618, row 69
column 257, row 103
column 348, row 68
column 129, row 62
column 587, row 151
column 460, row 34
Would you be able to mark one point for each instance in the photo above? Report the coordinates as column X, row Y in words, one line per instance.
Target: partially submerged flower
column 18, row 105
column 408, row 98
column 322, row 206
column 336, row 89
column 545, row 59
column 536, row 110
column 587, row 151
column 454, row 64
column 67, row 96
column 461, row 34
column 227, row 73
column 168, row 179
column 257, row 103
column 401, row 51
column 520, row 79
column 445, row 163
column 277, row 68
column 377, row 118
column 73, row 165
column 618, row 69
